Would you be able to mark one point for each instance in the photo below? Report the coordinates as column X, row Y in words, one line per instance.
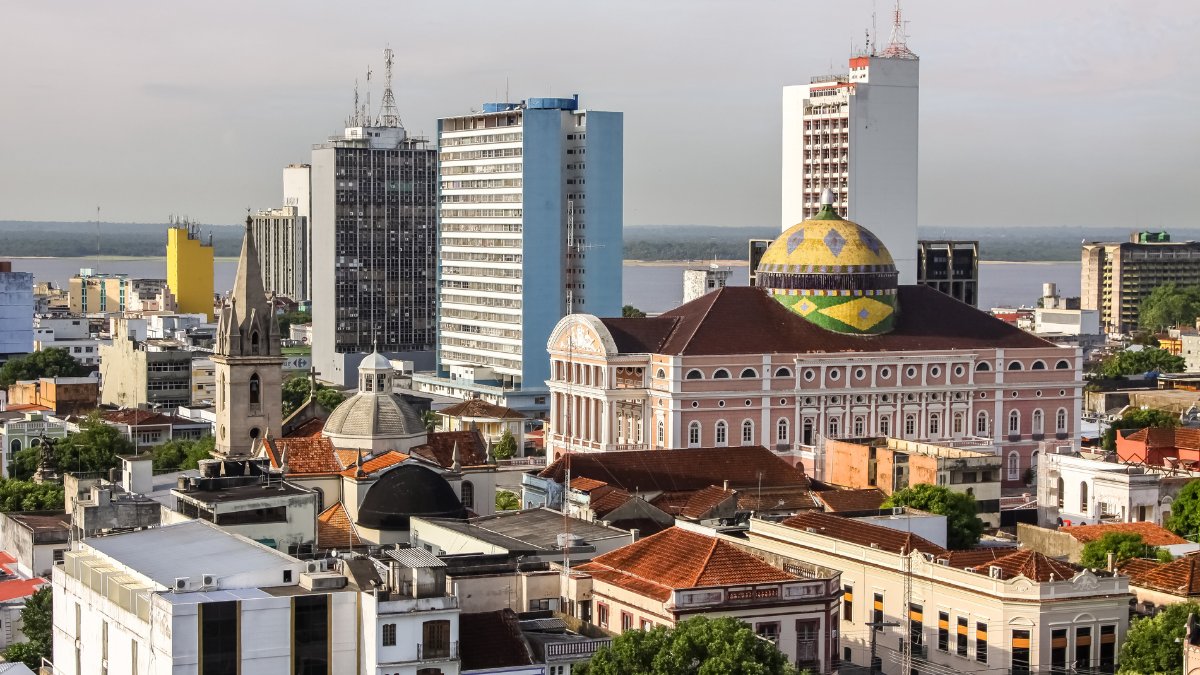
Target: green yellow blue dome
column 833, row 272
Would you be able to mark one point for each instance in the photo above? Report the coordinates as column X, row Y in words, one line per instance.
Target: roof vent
column 874, row 545
column 810, row 529
column 995, row 572
column 944, row 562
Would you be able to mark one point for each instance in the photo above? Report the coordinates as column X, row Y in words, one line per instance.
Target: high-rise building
column 950, row 266
column 92, row 292
column 16, row 312
column 1116, row 276
column 374, row 245
column 190, row 269
column 281, row 236
column 856, row 133
column 530, row 230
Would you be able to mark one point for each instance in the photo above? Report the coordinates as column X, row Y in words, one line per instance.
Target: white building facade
column 16, row 312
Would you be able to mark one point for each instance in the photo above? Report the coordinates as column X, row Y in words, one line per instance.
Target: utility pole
column 876, row 628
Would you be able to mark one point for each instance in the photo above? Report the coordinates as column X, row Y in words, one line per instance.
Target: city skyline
column 1067, row 119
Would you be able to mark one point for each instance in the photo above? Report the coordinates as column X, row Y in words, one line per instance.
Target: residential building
column 190, row 269
column 530, row 224
column 72, row 333
column 148, row 428
column 855, row 133
column 204, row 381
column 1117, row 276
column 35, row 540
column 136, row 500
column 16, row 312
column 282, row 238
column 144, row 373
column 961, row 611
column 492, row 642
column 192, row 596
column 687, row 571
column 489, row 419
column 92, row 292
column 1077, row 491
column 247, row 361
column 59, row 395
column 374, row 246
column 1068, row 541
column 893, row 464
column 753, row 366
column 1062, row 316
column 15, row 589
column 951, row 267
column 1158, row 584
column 697, row 282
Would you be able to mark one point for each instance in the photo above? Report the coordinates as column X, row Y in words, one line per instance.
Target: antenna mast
column 389, row 116
column 898, row 44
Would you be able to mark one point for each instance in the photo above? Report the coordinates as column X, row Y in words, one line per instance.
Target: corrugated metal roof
column 415, row 558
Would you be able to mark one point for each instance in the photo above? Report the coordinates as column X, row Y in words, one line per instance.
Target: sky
column 1071, row 113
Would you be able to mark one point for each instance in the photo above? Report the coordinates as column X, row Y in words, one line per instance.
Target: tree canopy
column 183, row 454
column 1152, row 645
column 295, row 393
column 286, row 319
column 963, row 527
column 631, row 312
column 25, row 495
column 1185, row 511
column 696, row 646
column 37, row 624
column 1128, row 362
column 1137, row 419
column 506, row 448
column 507, row 501
column 1125, row 545
column 93, row 448
column 1170, row 305
column 54, row 362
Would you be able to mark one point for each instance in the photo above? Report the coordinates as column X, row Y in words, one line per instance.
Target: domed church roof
column 405, row 491
column 374, row 413
column 833, row 272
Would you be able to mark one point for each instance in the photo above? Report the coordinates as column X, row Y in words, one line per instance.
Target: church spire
column 247, row 326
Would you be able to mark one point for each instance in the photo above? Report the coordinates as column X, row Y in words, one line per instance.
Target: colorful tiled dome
column 833, row 272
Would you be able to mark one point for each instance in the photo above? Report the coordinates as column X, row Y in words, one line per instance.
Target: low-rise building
column 963, row 611
column 148, row 428
column 35, row 539
column 60, row 395
column 15, row 589
column 1068, row 542
column 144, row 373
column 1158, row 584
column 893, row 464
column 489, row 419
column 1075, row 490
column 534, row 534
column 27, row 431
column 70, row 333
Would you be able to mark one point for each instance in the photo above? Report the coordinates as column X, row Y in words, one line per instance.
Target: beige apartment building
column 985, row 610
column 1116, row 276
column 91, row 292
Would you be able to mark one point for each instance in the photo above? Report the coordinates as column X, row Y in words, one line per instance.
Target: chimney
column 1112, row 561
column 634, row 535
column 725, row 485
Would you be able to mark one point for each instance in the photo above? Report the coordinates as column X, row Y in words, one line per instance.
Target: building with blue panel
column 529, row 230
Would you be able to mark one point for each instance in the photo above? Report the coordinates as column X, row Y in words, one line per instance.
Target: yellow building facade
column 190, row 270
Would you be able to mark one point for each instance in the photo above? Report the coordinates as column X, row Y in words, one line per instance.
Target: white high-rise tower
column 856, row 134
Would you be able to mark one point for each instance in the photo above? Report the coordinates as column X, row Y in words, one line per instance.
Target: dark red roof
column 477, row 407
column 863, row 534
column 1150, row 533
column 305, row 455
column 1031, row 565
column 867, row 499
column 142, row 417
column 746, row 320
column 439, row 448
column 1162, row 437
column 492, row 640
column 312, row 427
column 678, row 470
column 1179, row 577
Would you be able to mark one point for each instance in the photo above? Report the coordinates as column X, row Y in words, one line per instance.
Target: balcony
column 574, row 649
column 443, row 652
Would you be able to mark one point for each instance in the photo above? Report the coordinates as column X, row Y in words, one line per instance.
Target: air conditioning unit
column 995, row 572
column 313, row 566
column 181, row 583
column 209, row 580
column 897, row 510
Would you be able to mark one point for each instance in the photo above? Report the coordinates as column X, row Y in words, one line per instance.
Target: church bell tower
column 249, row 364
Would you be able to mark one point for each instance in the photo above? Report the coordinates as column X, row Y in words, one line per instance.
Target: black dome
column 408, row 490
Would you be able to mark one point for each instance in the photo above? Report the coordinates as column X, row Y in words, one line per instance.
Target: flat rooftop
column 531, row 529
column 222, row 494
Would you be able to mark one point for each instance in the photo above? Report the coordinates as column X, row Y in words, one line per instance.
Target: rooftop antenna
column 389, row 116
column 366, row 109
column 898, row 43
column 353, row 120
column 874, row 27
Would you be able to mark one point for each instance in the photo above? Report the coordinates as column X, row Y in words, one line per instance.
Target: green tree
column 46, row 363
column 507, row 501
column 286, row 320
column 180, row 455
column 430, row 418
column 963, row 527
column 295, row 393
column 1153, row 643
column 1170, row 305
column 1137, row 419
column 93, row 448
column 696, row 646
column 1128, row 362
column 1185, row 511
column 24, row 495
column 1124, row 545
column 506, row 448
column 37, row 623
column 631, row 312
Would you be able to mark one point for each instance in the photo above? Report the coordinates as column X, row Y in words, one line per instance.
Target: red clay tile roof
column 492, row 640
column 334, row 529
column 975, row 557
column 1158, row 437
column 439, row 448
column 605, row 500
column 306, row 456
column 586, row 484
column 26, row 407
column 776, row 499
column 1179, row 577
column 346, row 457
column 480, row 408
column 376, row 463
column 676, row 558
column 867, row 499
column 141, row 417
column 1031, row 565
column 16, row 588
column 678, row 470
column 715, row 323
column 694, row 503
column 1151, row 534
column 312, row 427
column 863, row 534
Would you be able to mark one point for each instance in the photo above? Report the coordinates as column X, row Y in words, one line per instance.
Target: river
column 653, row 287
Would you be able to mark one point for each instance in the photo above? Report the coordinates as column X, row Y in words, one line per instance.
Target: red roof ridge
column 707, row 559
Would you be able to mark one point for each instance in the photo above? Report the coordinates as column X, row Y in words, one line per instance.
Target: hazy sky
column 1065, row 112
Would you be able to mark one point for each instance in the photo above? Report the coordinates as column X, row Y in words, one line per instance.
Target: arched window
column 255, row 394
column 781, row 430
column 860, row 426
column 1062, row 365
column 910, row 425
column 693, row 434
column 1014, row 423
column 747, row 432
column 254, row 342
column 935, row 424
column 662, row 433
column 1015, row 365
column 468, row 495
column 783, row 372
column 981, row 424
column 721, row 374
column 749, row 372
column 1060, row 420
column 15, row 446
column 885, row 426
column 959, row 422
column 835, row 427
column 721, row 434
column 368, row 383
column 1061, row 489
column 1038, row 365
column 660, row 374
column 1014, row 465
column 694, row 374
column 1037, row 422
column 35, row 442
column 982, row 366
column 1083, row 497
